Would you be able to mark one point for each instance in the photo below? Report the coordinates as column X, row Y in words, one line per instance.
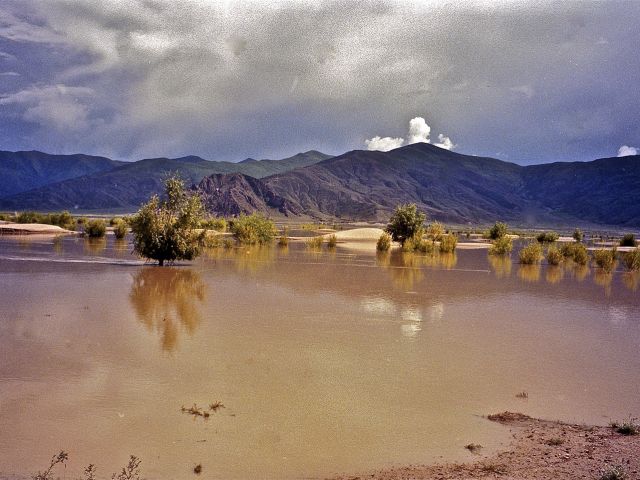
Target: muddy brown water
column 326, row 362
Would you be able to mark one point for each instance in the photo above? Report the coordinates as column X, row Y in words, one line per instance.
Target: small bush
column 283, row 241
column 554, row 257
column 501, row 246
column 628, row 240
column 435, row 231
column 631, row 260
column 227, row 243
column 531, row 254
column 114, row 221
column 615, row 472
column 628, row 427
column 547, row 237
column 578, row 235
column 315, row 243
column 120, row 229
column 332, row 241
column 499, row 230
column 384, row 242
column 252, row 229
column 95, row 228
column 605, row 259
column 212, row 241
column 448, row 243
column 217, row 224
column 576, row 252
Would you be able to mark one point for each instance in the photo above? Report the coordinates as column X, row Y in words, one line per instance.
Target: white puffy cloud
column 445, row 142
column 625, row 151
column 419, row 132
column 383, row 144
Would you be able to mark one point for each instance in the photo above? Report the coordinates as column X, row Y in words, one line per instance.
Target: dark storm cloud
column 523, row 81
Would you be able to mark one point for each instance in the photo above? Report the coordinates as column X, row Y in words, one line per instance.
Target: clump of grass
column 332, row 241
column 120, row 229
column 547, row 237
column 522, row 394
column 315, row 243
column 215, row 406
column 629, row 426
column 554, row 257
column 473, row 447
column 58, row 459
column 578, row 235
column 129, row 472
column 195, row 411
column 614, row 472
column 628, row 240
column 555, row 441
column 531, row 254
column 576, row 252
column 631, row 260
column 95, row 228
column 384, row 242
column 501, row 246
column 605, row 259
column 448, row 243
column 283, row 241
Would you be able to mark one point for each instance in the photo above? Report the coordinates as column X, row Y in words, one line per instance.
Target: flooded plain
column 325, row 362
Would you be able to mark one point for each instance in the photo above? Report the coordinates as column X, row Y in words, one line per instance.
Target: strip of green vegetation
column 253, row 229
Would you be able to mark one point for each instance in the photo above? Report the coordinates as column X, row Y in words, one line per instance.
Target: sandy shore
column 31, row 229
column 539, row 450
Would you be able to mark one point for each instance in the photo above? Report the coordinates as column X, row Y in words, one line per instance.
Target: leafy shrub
column 628, row 240
column 384, row 242
column 531, row 254
column 405, row 222
column 252, row 229
column 578, row 235
column 435, row 231
column 605, row 259
column 501, row 246
column 631, row 260
column 211, row 240
column 217, row 224
column 499, row 230
column 120, row 229
column 332, row 241
column 576, row 252
column 448, row 243
column 113, row 221
column 547, row 237
column 165, row 230
column 554, row 257
column 95, row 228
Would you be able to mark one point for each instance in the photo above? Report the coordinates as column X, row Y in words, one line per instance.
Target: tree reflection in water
column 631, row 280
column 501, row 265
column 165, row 298
column 529, row 273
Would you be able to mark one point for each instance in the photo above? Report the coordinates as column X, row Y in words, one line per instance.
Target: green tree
column 166, row 229
column 405, row 222
column 498, row 230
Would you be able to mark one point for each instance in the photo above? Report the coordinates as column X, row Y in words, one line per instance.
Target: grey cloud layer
column 522, row 81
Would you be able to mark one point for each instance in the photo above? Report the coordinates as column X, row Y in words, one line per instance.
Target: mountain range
column 360, row 185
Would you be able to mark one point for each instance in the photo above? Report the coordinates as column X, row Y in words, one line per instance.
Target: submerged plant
column 384, row 242
column 554, row 257
column 631, row 260
column 332, row 241
column 531, row 254
column 448, row 243
column 605, row 259
column 501, row 246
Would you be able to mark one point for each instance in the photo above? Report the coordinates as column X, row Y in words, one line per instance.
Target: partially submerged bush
column 576, row 252
column 605, row 259
column 95, row 228
column 283, row 241
column 405, row 223
column 252, row 229
column 501, row 246
column 332, row 241
column 628, row 240
column 448, row 243
column 631, row 260
column 384, row 242
column 217, row 224
column 554, row 257
column 499, row 230
column 531, row 254
column 315, row 243
column 547, row 237
column 120, row 229
column 435, row 231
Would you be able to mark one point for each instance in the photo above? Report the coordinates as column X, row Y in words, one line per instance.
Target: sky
column 523, row 81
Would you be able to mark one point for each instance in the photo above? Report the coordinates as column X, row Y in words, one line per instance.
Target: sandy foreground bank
column 31, row 229
column 539, row 450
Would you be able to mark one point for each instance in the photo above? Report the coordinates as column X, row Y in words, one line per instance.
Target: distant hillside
column 23, row 171
column 132, row 183
column 364, row 185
